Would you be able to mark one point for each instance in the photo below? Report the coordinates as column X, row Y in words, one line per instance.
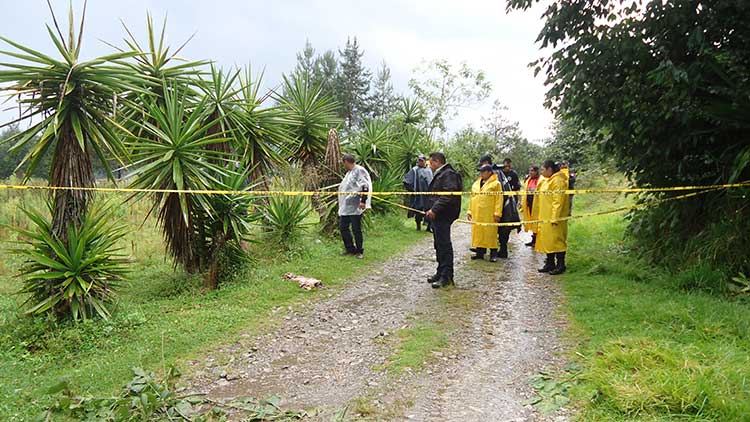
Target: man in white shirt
column 353, row 201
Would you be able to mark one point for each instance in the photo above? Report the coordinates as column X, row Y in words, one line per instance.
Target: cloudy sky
column 268, row 34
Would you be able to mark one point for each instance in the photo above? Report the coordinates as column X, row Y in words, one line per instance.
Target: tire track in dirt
column 328, row 356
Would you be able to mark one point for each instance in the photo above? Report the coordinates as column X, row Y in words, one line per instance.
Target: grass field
column 650, row 350
column 163, row 315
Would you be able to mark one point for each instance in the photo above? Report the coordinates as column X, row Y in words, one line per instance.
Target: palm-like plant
column 312, row 114
column 371, row 147
column 411, row 111
column 409, row 145
column 70, row 104
column 220, row 92
column 266, row 132
column 77, row 277
column 172, row 153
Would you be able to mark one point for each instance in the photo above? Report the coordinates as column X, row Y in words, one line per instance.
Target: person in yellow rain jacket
column 528, row 210
column 485, row 209
column 552, row 238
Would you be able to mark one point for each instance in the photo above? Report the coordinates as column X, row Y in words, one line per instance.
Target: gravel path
column 330, row 356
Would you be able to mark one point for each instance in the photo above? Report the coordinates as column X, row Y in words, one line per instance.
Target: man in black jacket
column 444, row 210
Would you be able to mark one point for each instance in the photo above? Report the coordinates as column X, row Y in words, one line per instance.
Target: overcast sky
column 268, row 35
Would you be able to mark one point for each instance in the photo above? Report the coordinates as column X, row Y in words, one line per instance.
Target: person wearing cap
column 418, row 180
column 528, row 210
column 513, row 179
column 485, row 206
column 552, row 238
column 354, row 199
column 510, row 207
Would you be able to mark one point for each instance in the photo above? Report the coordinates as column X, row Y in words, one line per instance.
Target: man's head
column 507, row 165
column 533, row 172
column 564, row 164
column 485, row 172
column 437, row 160
column 421, row 160
column 549, row 168
column 485, row 159
column 349, row 161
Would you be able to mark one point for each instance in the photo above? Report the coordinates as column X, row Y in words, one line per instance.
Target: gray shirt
column 355, row 180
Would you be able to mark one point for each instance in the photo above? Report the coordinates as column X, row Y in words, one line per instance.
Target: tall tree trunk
column 179, row 234
column 71, row 167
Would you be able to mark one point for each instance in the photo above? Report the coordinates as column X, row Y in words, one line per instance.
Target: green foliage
column 443, row 88
column 77, row 278
column 371, row 146
column 311, row 115
column 389, row 180
column 648, row 350
column 353, row 85
column 9, row 160
column 576, row 145
column 150, row 398
column 283, row 217
column 664, row 88
column 383, row 99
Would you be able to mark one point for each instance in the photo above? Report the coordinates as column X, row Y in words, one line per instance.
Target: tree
column 326, row 73
column 70, row 103
column 306, row 62
column 499, row 128
column 353, row 85
column 383, row 99
column 664, row 87
column 444, row 89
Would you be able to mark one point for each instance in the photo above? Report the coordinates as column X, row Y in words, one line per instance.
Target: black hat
column 485, row 157
column 486, row 167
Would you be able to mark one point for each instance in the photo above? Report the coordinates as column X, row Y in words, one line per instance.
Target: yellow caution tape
column 372, row 194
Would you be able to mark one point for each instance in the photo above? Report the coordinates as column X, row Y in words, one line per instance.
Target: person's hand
column 468, row 217
column 362, row 205
column 429, row 214
column 497, row 219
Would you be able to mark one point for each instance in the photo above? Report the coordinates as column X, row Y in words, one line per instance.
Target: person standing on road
column 444, row 210
column 527, row 203
column 513, row 179
column 552, row 239
column 485, row 206
column 418, row 180
column 510, row 206
column 353, row 204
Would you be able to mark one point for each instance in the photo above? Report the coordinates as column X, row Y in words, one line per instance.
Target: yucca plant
column 69, row 104
column 312, row 114
column 77, row 277
column 220, row 91
column 283, row 216
column 407, row 148
column 172, row 153
column 267, row 136
column 372, row 146
column 224, row 230
column 411, row 112
column 389, row 180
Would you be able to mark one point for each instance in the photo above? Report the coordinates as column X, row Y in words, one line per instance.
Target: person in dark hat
column 418, row 180
column 485, row 206
column 510, row 207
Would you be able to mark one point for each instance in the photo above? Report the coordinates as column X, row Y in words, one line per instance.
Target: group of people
column 493, row 214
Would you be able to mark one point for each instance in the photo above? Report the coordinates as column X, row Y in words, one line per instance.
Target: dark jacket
column 446, row 207
column 515, row 182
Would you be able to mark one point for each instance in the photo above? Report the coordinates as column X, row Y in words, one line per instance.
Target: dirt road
column 340, row 356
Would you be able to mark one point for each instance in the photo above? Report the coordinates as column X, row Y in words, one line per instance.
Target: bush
column 77, row 278
column 283, row 216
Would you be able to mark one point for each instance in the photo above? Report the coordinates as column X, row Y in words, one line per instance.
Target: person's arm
column 557, row 201
column 452, row 184
column 410, row 180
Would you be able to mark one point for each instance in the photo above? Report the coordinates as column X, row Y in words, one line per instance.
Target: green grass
column 650, row 350
column 163, row 316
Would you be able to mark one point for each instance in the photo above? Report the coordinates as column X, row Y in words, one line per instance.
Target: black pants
column 503, row 235
column 355, row 221
column 419, row 218
column 441, row 233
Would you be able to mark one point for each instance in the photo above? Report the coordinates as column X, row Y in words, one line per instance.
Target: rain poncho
column 552, row 237
column 484, row 209
column 418, row 180
column 355, row 180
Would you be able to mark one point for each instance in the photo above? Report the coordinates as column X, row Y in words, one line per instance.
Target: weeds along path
column 388, row 347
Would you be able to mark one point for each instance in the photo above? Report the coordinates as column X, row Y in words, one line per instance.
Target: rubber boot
column 444, row 281
column 493, row 255
column 433, row 278
column 549, row 264
column 560, row 267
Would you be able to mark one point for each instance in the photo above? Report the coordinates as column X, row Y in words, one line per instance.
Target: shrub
column 77, row 278
column 283, row 216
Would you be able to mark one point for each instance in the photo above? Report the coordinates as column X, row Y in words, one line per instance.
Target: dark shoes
column 442, row 282
column 549, row 264
column 433, row 278
column 560, row 267
column 503, row 253
column 477, row 256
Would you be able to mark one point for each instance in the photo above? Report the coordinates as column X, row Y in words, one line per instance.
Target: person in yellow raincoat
column 530, row 212
column 552, row 238
column 485, row 209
